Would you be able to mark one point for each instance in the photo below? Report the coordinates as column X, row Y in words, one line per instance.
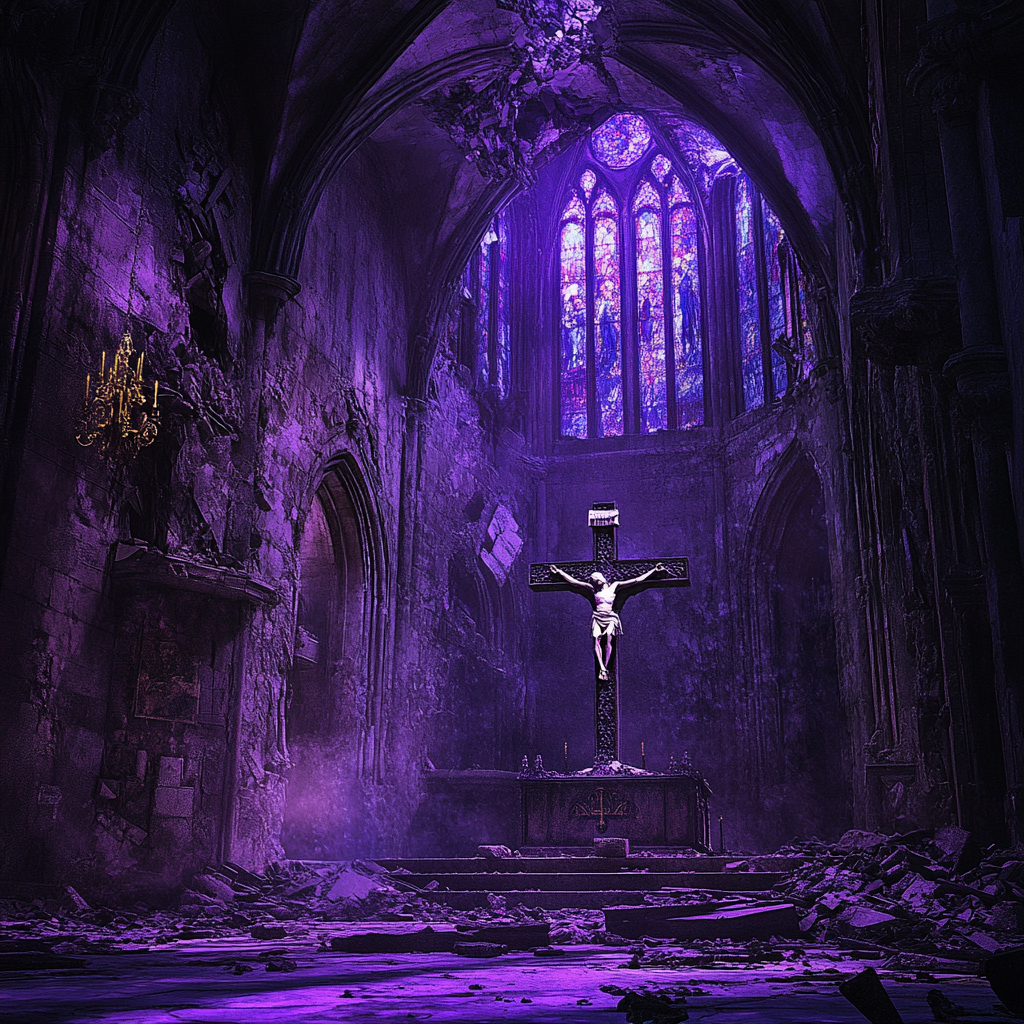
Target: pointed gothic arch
column 335, row 707
column 802, row 746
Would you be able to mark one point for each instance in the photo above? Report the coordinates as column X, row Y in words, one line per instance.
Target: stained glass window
column 686, row 309
column 641, row 207
column 483, row 308
column 621, row 141
column 607, row 317
column 650, row 309
column 746, row 267
column 485, row 289
column 504, row 340
column 573, row 281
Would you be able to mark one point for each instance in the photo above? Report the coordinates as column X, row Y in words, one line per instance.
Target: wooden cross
column 603, row 519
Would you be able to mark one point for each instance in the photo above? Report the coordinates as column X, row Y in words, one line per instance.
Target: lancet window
column 773, row 325
column 486, row 312
column 631, row 227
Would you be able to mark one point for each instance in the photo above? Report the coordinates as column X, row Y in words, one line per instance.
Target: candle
column 156, row 383
column 103, row 363
column 87, row 387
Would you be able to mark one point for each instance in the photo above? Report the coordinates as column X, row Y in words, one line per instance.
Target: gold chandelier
column 117, row 418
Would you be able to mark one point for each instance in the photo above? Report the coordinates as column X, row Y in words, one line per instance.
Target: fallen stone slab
column 493, row 852
column 742, row 923
column 514, row 936
column 611, row 847
column 38, row 962
column 481, row 950
column 426, row 940
column 632, row 922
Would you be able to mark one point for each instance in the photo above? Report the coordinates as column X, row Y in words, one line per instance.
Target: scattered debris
column 925, row 892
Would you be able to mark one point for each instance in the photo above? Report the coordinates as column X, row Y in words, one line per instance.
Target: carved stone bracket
column 147, row 568
column 268, row 292
column 910, row 322
column 983, row 388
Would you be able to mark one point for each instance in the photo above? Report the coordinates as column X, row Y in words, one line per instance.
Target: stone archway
column 803, row 749
column 334, row 707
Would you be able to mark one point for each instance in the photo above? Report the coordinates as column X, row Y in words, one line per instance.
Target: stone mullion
column 727, row 393
column 761, row 272
column 494, row 282
column 668, row 311
column 704, row 293
column 593, row 413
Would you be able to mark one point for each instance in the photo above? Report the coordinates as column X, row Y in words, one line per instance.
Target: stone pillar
column 956, row 51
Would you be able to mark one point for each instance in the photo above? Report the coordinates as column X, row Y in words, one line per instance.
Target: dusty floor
column 248, row 981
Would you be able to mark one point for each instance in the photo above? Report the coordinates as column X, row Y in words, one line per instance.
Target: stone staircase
column 556, row 880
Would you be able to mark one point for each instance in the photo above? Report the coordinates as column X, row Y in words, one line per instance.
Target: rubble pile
column 925, row 892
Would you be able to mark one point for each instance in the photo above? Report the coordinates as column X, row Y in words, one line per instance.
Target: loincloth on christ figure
column 605, row 624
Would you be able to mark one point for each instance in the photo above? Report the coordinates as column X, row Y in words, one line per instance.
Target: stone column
column 957, row 49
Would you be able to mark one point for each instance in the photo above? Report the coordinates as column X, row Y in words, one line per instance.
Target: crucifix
column 607, row 582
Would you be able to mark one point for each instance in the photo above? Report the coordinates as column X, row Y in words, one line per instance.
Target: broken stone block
column 648, row 1008
column 943, row 1008
column 737, row 865
column 1006, row 916
column 351, row 885
column 493, row 852
column 171, row 771
column 171, row 802
column 611, row 847
column 268, row 931
column 213, row 887
column 865, row 918
column 985, row 941
column 855, row 839
column 866, row 992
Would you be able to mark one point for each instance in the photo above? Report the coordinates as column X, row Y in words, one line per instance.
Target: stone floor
column 247, row 981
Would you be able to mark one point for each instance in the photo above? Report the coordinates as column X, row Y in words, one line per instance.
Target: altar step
column 553, row 883
column 563, row 863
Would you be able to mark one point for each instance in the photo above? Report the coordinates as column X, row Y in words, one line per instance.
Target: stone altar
column 647, row 808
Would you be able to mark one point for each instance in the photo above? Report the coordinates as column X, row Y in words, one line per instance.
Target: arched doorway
column 804, row 744
column 333, row 709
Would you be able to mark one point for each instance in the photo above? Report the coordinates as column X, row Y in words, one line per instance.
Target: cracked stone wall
column 146, row 728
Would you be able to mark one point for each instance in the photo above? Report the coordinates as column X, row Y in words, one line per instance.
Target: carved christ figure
column 605, row 623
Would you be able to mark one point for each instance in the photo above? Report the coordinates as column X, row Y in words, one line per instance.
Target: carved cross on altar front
column 631, row 576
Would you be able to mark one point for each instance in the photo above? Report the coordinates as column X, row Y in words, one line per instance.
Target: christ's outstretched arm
column 584, row 587
column 643, row 578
